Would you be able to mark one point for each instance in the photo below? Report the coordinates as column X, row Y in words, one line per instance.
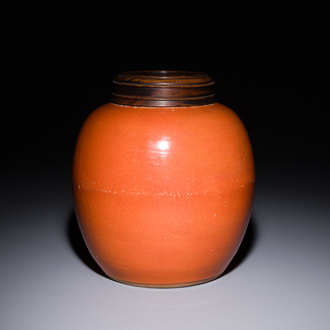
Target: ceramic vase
column 163, row 180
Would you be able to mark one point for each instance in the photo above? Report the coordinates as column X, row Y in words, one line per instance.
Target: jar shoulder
column 215, row 114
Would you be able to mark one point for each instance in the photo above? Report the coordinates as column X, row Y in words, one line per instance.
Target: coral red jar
column 163, row 180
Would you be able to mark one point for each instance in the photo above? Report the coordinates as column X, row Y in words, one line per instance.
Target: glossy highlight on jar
column 163, row 180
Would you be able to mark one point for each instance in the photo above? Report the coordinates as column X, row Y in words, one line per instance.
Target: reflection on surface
column 163, row 145
column 160, row 148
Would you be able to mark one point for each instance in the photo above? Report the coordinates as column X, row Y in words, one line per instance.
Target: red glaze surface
column 163, row 196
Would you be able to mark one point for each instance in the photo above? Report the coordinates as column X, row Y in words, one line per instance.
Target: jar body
column 163, row 196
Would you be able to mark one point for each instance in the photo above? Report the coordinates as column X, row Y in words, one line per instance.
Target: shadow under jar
column 163, row 180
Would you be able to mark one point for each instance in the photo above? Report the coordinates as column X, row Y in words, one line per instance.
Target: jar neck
column 163, row 89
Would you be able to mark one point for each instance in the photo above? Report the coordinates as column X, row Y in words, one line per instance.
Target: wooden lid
column 163, row 89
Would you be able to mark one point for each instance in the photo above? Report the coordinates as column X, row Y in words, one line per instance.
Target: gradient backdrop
column 272, row 71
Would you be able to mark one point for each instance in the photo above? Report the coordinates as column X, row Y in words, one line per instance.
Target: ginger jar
column 163, row 180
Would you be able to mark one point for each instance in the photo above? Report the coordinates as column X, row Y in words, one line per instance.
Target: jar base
column 166, row 286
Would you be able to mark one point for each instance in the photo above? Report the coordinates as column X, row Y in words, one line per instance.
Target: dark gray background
column 271, row 69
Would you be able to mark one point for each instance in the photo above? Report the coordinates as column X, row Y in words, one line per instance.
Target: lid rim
column 164, row 85
column 163, row 99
